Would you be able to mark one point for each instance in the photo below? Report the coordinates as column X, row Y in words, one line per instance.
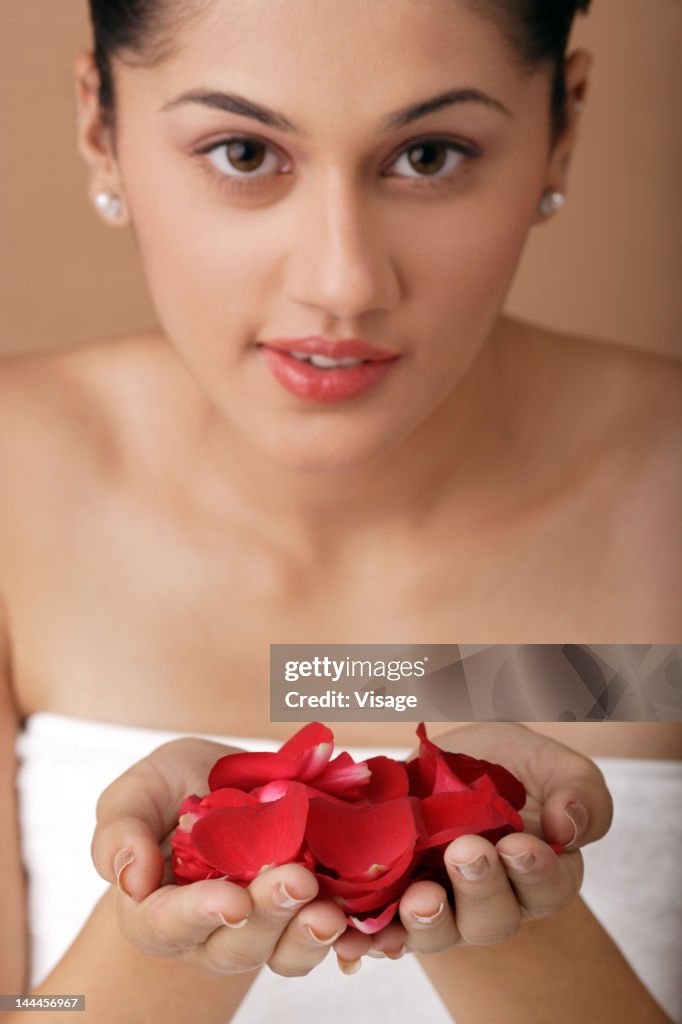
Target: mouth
column 318, row 370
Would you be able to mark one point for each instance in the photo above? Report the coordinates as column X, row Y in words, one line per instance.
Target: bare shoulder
column 624, row 402
column 609, row 422
column 78, row 392
column 64, row 414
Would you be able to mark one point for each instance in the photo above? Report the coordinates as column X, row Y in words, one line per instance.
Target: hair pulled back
column 537, row 31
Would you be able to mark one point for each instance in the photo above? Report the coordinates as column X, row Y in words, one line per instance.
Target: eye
column 246, row 159
column 241, row 158
column 432, row 158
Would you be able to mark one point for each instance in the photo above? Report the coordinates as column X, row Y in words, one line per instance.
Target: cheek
column 203, row 261
column 471, row 259
column 458, row 285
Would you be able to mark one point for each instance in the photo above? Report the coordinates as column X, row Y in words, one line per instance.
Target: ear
column 95, row 137
column 577, row 70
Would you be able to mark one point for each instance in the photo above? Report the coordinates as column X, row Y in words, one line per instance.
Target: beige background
column 608, row 265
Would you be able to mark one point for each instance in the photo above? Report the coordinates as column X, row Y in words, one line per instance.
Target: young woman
column 337, row 435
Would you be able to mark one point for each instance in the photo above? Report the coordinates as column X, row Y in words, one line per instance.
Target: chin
column 326, row 452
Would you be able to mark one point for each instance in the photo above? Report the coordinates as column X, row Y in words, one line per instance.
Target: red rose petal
column 351, row 889
column 449, row 815
column 388, row 779
column 374, row 900
column 466, row 768
column 315, row 743
column 356, row 840
column 302, row 757
column 241, row 841
column 343, row 777
column 188, row 865
column 369, row 925
column 445, row 780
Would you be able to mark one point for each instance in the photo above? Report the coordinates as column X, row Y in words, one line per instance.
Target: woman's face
column 334, row 219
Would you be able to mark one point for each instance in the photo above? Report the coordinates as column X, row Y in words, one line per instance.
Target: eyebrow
column 235, row 104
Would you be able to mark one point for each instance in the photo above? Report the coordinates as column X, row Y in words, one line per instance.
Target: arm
column 13, row 934
column 190, row 962
column 564, row 969
column 122, row 984
column 114, row 976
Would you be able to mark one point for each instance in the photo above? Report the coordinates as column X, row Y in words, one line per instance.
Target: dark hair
column 537, row 30
column 138, row 28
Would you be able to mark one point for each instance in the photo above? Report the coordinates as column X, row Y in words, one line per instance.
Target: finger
column 140, row 807
column 277, row 896
column 576, row 805
column 544, row 883
column 427, row 918
column 351, row 947
column 577, row 813
column 390, row 942
column 307, row 939
column 179, row 917
column 486, row 909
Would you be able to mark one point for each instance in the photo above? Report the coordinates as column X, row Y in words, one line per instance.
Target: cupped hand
column 215, row 925
column 498, row 887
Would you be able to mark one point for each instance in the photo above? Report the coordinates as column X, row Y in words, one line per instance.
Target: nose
column 338, row 259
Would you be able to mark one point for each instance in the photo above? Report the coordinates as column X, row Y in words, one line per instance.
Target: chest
column 133, row 614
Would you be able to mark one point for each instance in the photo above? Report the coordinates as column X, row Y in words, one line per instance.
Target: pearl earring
column 551, row 202
column 109, row 204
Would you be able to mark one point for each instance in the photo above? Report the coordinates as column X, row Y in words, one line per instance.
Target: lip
column 347, row 348
column 326, row 386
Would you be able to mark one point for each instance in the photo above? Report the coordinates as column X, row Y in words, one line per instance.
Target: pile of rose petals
column 366, row 830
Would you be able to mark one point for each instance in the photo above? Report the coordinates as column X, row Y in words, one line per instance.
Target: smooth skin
column 507, row 482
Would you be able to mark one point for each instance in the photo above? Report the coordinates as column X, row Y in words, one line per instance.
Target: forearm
column 122, row 985
column 563, row 968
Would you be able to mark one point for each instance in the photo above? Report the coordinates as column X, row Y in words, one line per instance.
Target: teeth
column 324, row 363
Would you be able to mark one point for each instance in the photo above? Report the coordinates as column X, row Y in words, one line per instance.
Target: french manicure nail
column 378, row 954
column 521, row 862
column 349, row 966
column 285, row 900
column 473, row 869
column 121, row 861
column 322, row 941
column 578, row 817
column 420, row 919
column 396, row 954
column 232, row 924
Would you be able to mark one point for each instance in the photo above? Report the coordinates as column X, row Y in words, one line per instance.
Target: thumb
column 139, row 810
column 125, row 851
column 577, row 809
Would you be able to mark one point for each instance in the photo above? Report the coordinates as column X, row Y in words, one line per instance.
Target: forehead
column 334, row 56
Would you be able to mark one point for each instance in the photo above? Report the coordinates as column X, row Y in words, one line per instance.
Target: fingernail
column 473, row 869
column 397, row 953
column 232, row 924
column 420, row 919
column 322, row 941
column 121, row 861
column 521, row 862
column 578, row 817
column 349, row 966
column 284, row 899
column 376, row 953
